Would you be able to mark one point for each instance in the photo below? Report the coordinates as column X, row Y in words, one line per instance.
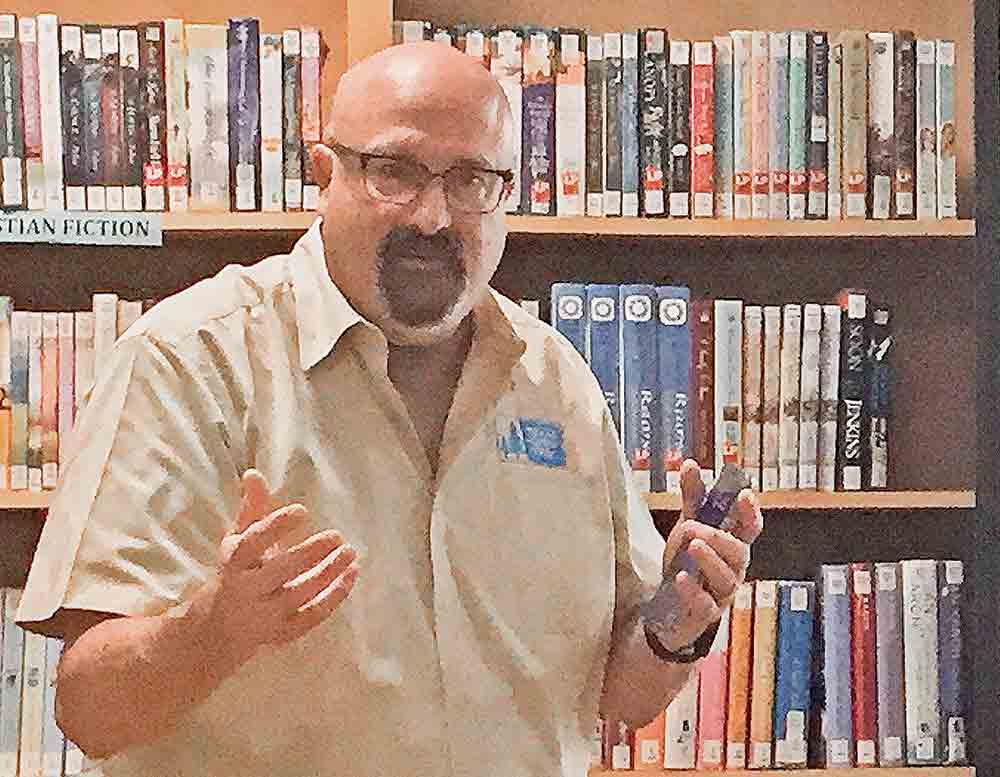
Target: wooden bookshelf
column 772, row 500
column 627, row 227
column 922, row 771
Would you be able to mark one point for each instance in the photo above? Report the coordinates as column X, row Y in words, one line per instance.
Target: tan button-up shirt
column 475, row 641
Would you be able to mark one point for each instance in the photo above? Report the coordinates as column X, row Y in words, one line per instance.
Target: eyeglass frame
column 364, row 157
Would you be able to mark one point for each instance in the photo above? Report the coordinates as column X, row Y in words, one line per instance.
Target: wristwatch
column 687, row 654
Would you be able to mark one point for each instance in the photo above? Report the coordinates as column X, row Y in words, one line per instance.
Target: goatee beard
column 421, row 277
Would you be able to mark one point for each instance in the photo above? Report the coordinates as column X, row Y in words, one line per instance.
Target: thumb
column 692, row 489
column 256, row 499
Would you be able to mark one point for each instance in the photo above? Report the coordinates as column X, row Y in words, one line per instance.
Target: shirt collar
column 323, row 314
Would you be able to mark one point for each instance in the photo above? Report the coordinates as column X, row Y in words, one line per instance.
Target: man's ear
column 321, row 158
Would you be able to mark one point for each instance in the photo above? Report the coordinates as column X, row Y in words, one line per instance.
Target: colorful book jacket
column 640, row 374
column 569, row 314
column 673, row 344
column 538, row 163
column 654, row 139
column 603, row 344
column 793, row 672
column 889, row 665
column 835, row 687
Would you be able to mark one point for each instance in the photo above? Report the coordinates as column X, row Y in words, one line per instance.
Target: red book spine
column 702, row 129
column 863, row 664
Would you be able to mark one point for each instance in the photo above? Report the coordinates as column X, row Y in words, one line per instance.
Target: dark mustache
column 405, row 241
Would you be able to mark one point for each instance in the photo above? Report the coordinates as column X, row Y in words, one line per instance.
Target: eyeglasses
column 468, row 188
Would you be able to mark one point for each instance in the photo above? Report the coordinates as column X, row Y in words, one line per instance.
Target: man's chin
column 421, row 331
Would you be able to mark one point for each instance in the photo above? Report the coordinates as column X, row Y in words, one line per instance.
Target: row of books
column 31, row 742
column 859, row 668
column 757, row 124
column 47, row 367
column 796, row 394
column 160, row 115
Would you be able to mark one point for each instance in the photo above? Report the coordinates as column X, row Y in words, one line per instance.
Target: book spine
column 105, row 309
column 571, row 124
column 835, row 134
column 19, row 326
column 243, row 67
column 673, row 317
column 272, row 177
column 702, row 129
column 778, row 138
column 793, row 672
column 855, row 124
column 852, row 412
column 947, row 174
column 926, row 130
column 538, row 164
column 798, row 171
column 411, row 31
column 740, row 668
column 35, row 382
column 723, row 127
column 11, row 117
column 878, row 399
column 208, row 134
column 889, row 665
column 568, row 315
column 812, row 323
column 112, row 124
column 93, row 144
column 48, row 93
column 829, row 385
column 83, row 352
column 760, row 121
column 904, row 123
column 152, row 90
column 835, row 617
column 817, row 123
column 920, row 662
column 6, row 308
column 291, row 81
column 34, row 171
column 950, row 581
column 596, row 109
column 630, row 123
column 53, row 741
column 640, row 374
column 132, row 173
column 32, row 704
column 13, row 676
column 742, row 125
column 647, row 744
column 881, row 132
column 679, row 99
column 765, row 637
column 728, row 383
column 863, row 668
column 50, row 400
column 770, row 449
column 753, row 346
column 311, row 114
column 506, row 64
column 654, row 122
column 619, row 747
column 713, row 695
column 612, row 124
column 178, row 119
column 791, row 399
column 703, row 386
column 66, row 407
column 681, row 726
column 603, row 344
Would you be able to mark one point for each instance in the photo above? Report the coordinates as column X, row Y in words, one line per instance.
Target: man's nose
column 431, row 213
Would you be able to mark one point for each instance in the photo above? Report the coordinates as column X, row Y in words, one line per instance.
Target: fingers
column 747, row 520
column 700, row 607
column 297, row 592
column 692, row 488
column 246, row 550
column 719, row 575
column 321, row 607
column 256, row 499
column 286, row 566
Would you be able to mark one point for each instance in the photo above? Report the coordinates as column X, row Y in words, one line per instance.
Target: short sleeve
column 148, row 491
column 639, row 545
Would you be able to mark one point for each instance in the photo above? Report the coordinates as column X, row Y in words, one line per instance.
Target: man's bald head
column 424, row 82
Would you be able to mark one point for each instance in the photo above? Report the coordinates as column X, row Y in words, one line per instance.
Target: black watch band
column 686, row 655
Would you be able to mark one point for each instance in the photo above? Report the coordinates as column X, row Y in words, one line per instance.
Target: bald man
column 349, row 511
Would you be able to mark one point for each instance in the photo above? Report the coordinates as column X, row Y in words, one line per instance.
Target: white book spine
column 129, row 311
column 50, row 94
column 32, row 704
column 834, row 130
column 35, row 401
column 753, row 323
column 728, row 382
column 812, row 322
column 105, row 325
column 920, row 660
column 798, row 112
column 947, row 175
column 772, row 397
column 34, row 167
column 12, row 668
column 742, row 124
column 507, row 69
column 724, row 130
column 681, row 727
column 83, row 358
column 20, row 324
column 64, row 325
column 926, row 129
column 208, row 99
column 571, row 126
column 778, row 127
column 790, row 403
column 178, row 121
column 49, row 418
column 829, row 385
column 311, row 130
column 760, row 107
column 272, row 182
column 53, row 740
column 881, row 114
column 854, row 84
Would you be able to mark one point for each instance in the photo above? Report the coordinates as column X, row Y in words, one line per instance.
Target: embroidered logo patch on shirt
column 532, row 440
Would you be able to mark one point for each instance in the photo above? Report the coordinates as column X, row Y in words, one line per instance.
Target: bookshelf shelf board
column 910, row 771
column 252, row 221
column 840, row 500
column 24, row 500
column 593, row 225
